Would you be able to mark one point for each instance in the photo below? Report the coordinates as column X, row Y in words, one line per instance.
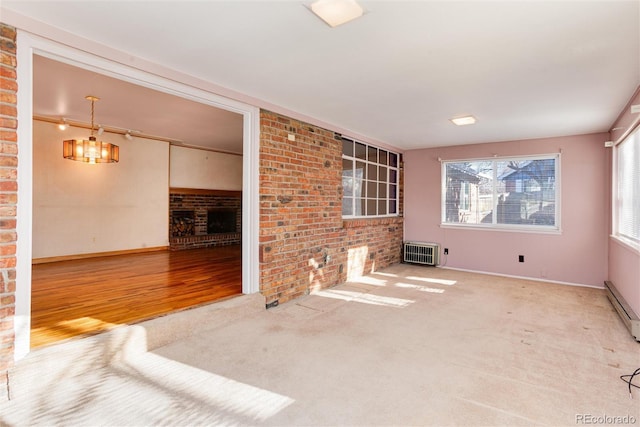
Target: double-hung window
column 502, row 192
column 627, row 190
column 370, row 180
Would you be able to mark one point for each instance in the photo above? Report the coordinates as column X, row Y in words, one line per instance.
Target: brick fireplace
column 201, row 218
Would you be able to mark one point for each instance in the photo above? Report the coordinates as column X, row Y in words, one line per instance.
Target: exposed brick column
column 8, row 197
column 304, row 243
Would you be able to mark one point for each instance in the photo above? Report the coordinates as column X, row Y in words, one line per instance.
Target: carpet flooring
column 408, row 345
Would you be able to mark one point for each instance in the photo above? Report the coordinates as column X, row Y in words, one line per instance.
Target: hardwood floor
column 72, row 298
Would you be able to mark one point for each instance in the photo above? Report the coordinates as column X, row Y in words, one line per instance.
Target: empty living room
column 322, row 212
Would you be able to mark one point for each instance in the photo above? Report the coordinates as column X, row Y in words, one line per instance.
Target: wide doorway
column 61, row 297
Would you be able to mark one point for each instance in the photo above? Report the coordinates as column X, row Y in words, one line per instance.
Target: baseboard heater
column 421, row 253
column 628, row 316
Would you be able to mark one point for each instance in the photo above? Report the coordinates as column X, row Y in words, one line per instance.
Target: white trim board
column 534, row 279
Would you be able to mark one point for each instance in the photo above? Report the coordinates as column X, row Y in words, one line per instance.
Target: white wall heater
column 626, row 313
column 421, row 253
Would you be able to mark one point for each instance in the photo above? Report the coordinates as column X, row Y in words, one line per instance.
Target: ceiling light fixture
column 337, row 12
column 100, row 130
column 62, row 124
column 128, row 135
column 91, row 150
column 462, row 121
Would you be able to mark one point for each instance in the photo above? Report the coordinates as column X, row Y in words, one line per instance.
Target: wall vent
column 421, row 253
column 626, row 313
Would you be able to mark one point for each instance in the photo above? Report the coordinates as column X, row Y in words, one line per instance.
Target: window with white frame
column 627, row 190
column 502, row 192
column 369, row 180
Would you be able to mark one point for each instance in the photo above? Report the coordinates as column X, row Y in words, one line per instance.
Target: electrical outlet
column 520, row 258
column 446, row 251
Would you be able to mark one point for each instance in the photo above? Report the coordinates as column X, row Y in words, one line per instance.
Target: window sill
column 504, row 228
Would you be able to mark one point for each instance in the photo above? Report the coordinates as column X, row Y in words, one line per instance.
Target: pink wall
column 577, row 255
column 624, row 262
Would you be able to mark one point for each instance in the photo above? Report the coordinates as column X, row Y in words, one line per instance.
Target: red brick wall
column 8, row 196
column 304, row 242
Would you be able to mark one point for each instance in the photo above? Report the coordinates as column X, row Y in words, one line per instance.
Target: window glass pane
column 372, row 171
column 502, row 191
column 382, row 174
column 371, row 207
column 382, row 190
column 360, row 207
column 382, row 157
column 360, row 151
column 347, row 177
column 628, row 188
column 368, row 182
column 372, row 154
column 393, row 160
column 526, row 192
column 358, row 179
column 372, row 189
column 393, row 191
column 347, row 206
column 347, row 147
column 393, row 176
column 382, row 207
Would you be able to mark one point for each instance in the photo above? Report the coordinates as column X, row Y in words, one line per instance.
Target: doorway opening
column 244, row 255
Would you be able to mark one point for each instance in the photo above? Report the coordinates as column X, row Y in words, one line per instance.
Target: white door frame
column 29, row 44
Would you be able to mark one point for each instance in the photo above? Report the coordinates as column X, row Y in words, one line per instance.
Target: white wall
column 192, row 168
column 80, row 208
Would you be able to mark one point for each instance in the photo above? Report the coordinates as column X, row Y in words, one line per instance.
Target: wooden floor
column 72, row 298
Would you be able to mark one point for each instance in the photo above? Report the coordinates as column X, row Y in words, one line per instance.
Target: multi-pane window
column 627, row 191
column 369, row 180
column 507, row 192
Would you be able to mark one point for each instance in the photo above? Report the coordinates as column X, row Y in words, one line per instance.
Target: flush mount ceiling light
column 462, row 121
column 91, row 150
column 337, row 12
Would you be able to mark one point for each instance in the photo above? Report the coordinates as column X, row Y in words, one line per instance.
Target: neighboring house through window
column 502, row 192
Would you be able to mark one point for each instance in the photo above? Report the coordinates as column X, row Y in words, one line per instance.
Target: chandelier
column 90, row 150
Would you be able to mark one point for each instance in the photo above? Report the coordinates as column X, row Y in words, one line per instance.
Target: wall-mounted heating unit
column 421, row 253
column 628, row 316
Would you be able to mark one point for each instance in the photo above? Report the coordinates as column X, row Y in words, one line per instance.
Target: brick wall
column 8, row 197
column 304, row 242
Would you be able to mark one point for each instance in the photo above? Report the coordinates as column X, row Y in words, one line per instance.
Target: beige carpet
column 409, row 345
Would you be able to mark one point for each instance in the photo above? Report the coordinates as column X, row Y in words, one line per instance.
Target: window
column 369, row 180
column 627, row 191
column 502, row 192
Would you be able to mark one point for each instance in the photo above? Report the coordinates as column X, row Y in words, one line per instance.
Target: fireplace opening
column 183, row 223
column 221, row 221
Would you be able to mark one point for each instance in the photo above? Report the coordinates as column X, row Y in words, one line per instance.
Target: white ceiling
column 525, row 69
column 60, row 91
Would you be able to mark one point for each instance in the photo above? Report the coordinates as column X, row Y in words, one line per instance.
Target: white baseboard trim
column 535, row 279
